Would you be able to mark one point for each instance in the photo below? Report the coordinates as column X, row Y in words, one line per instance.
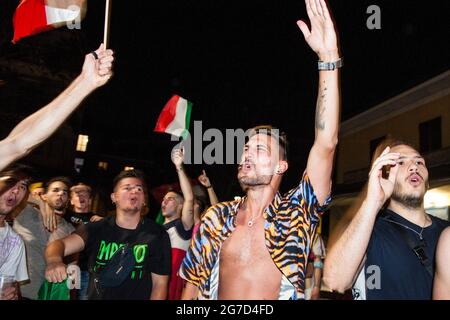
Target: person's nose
column 15, row 190
column 134, row 190
column 412, row 168
column 247, row 155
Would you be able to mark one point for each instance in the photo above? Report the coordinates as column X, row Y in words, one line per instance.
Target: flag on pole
column 35, row 16
column 175, row 117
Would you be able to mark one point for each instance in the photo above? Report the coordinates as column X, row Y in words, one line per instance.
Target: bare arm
column 160, row 287
column 40, row 125
column 323, row 40
column 190, row 292
column 56, row 251
column 346, row 255
column 204, row 180
column 441, row 288
column 187, row 213
column 315, row 294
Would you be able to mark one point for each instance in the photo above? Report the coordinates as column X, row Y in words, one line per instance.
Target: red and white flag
column 175, row 117
column 35, row 16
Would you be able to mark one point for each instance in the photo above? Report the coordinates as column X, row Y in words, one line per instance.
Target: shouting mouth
column 246, row 166
column 415, row 179
column 11, row 201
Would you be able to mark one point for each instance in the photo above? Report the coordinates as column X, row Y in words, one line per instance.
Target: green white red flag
column 175, row 117
column 35, row 16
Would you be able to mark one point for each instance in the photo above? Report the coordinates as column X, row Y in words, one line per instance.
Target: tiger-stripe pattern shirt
column 290, row 224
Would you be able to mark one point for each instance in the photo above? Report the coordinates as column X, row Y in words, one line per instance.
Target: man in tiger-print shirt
column 257, row 247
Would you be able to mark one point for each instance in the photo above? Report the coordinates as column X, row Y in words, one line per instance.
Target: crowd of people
column 264, row 245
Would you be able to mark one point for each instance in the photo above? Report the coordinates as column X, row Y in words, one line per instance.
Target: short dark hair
column 391, row 142
column 274, row 132
column 62, row 179
column 74, row 188
column 134, row 173
column 179, row 194
column 16, row 172
column 398, row 142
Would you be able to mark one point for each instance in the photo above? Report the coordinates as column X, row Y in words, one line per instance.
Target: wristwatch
column 329, row 66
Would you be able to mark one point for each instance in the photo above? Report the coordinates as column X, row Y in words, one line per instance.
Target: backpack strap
column 417, row 246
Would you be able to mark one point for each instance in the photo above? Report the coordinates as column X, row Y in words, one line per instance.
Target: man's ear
column 44, row 197
column 281, row 167
column 113, row 197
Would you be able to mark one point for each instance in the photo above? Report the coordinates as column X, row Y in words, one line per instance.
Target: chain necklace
column 250, row 222
column 400, row 224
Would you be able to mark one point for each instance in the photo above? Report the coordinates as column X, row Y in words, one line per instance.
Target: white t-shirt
column 13, row 260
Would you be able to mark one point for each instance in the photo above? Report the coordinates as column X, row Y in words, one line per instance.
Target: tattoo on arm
column 320, row 109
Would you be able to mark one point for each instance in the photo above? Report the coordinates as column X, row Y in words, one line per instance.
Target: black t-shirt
column 401, row 274
column 78, row 218
column 152, row 254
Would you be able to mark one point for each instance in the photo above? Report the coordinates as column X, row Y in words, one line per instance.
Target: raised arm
column 441, row 288
column 204, row 180
column 347, row 254
column 187, row 213
column 55, row 253
column 37, row 127
column 323, row 40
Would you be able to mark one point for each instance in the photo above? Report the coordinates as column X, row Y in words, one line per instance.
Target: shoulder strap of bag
column 414, row 245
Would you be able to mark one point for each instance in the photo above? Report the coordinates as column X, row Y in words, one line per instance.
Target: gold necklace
column 251, row 221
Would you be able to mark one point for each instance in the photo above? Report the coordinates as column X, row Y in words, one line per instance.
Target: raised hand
column 204, row 180
column 379, row 188
column 322, row 35
column 95, row 71
column 48, row 216
column 178, row 157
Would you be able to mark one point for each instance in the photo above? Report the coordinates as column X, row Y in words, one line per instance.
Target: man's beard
column 249, row 182
column 56, row 207
column 409, row 201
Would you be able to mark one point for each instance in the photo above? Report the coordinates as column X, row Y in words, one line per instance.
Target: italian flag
column 35, row 16
column 175, row 117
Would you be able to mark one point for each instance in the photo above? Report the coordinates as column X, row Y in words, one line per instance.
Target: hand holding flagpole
column 107, row 23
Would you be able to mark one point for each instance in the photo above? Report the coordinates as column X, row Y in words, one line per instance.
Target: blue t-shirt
column 392, row 270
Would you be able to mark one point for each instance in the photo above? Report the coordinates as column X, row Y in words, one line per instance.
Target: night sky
column 241, row 63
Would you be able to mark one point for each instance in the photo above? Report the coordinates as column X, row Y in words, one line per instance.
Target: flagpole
column 107, row 23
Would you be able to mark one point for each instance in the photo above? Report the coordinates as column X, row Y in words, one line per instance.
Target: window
column 103, row 165
column 430, row 135
column 82, row 143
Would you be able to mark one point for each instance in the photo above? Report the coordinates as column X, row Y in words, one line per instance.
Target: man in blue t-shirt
column 387, row 251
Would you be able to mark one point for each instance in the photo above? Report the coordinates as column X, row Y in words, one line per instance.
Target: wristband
column 318, row 264
column 330, row 66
